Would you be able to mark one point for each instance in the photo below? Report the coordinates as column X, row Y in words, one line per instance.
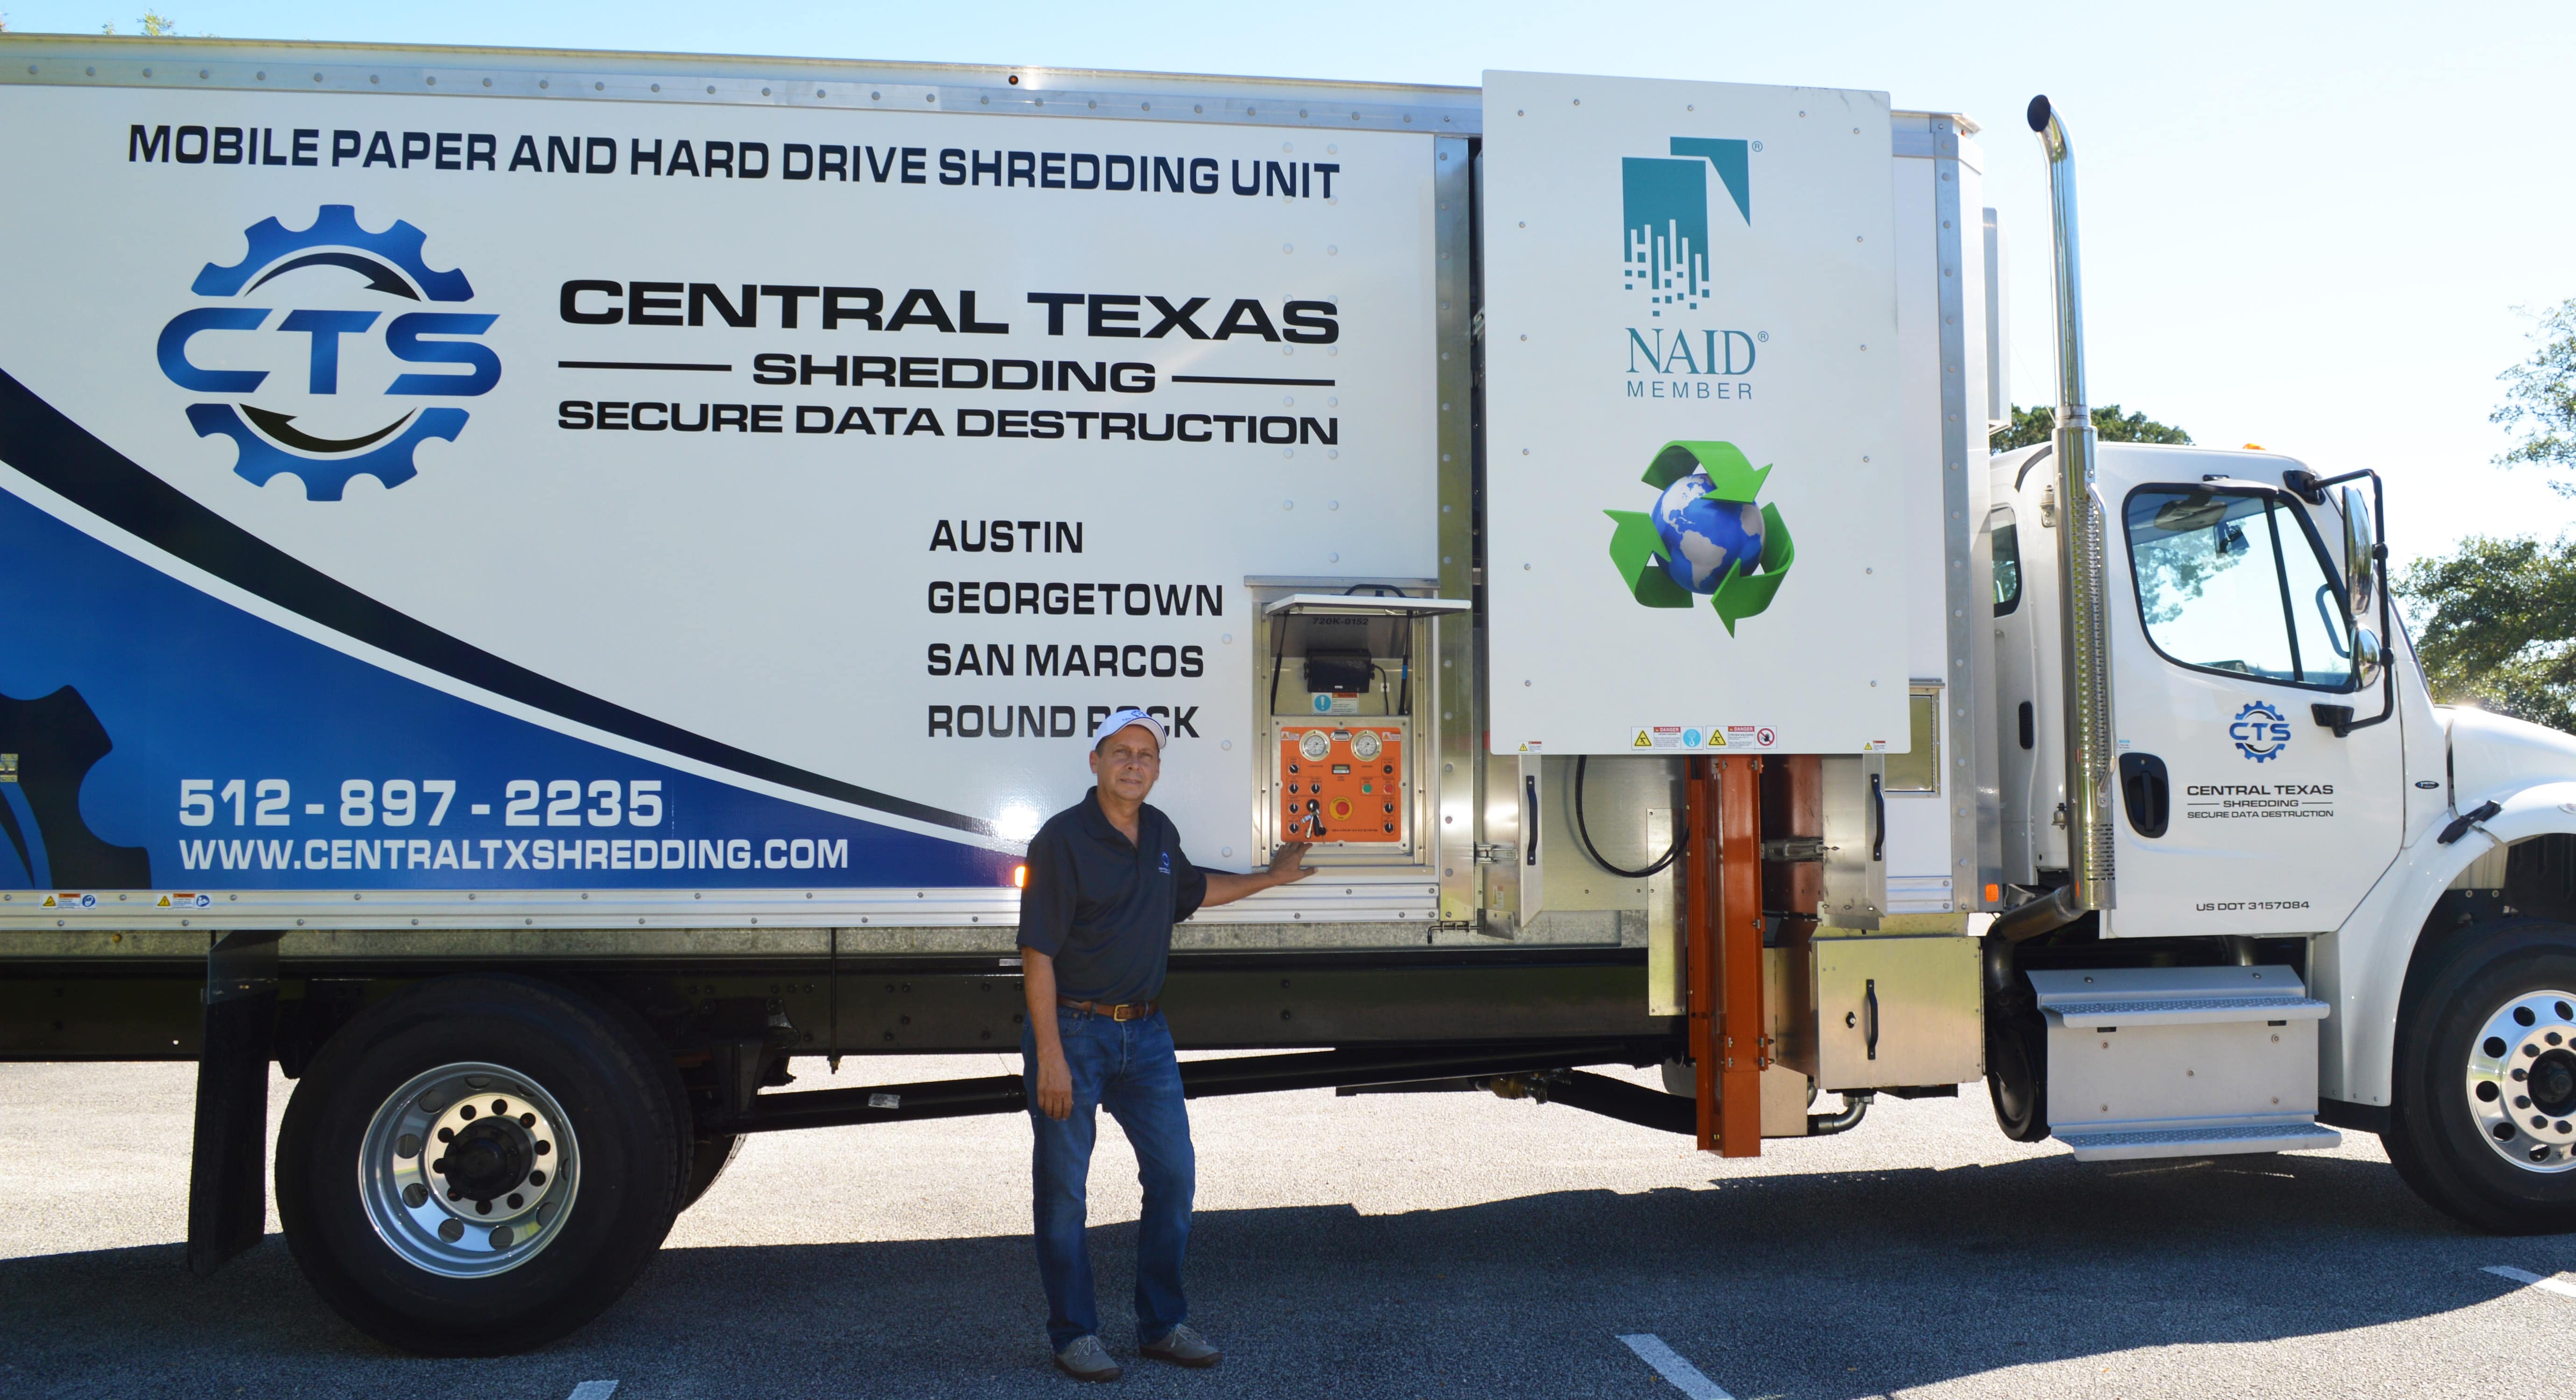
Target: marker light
column 1019, row 877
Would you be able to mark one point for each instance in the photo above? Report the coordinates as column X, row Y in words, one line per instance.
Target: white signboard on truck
column 1692, row 418
column 437, row 493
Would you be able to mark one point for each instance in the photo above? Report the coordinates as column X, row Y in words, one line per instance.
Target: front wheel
column 478, row 1166
column 2483, row 1123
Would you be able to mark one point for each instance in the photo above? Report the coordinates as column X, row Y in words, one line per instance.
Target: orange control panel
column 1341, row 783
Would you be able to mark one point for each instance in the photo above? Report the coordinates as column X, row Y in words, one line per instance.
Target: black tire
column 2436, row 1137
column 2017, row 1075
column 711, row 1154
column 617, row 1174
column 684, row 1161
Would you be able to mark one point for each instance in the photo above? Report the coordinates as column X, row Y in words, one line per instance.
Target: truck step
column 2122, row 1145
column 2174, row 996
column 2181, row 1061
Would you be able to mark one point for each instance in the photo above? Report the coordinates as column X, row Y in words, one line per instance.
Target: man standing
column 1107, row 880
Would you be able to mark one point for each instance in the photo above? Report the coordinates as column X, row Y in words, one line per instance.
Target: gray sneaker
column 1183, row 1347
column 1085, row 1359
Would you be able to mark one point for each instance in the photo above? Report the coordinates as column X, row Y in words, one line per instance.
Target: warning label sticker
column 1700, row 739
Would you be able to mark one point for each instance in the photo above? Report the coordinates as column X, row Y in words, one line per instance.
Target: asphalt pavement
column 1418, row 1245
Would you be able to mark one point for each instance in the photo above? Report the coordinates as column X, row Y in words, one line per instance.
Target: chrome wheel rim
column 2522, row 1081
column 469, row 1170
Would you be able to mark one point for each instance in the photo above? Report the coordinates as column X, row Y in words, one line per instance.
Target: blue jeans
column 1128, row 1068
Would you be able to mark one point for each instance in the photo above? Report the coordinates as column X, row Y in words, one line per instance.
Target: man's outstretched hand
column 1287, row 864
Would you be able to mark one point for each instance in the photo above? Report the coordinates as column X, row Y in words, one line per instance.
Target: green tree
column 152, row 25
column 2499, row 626
column 2031, row 427
column 2499, row 615
column 2540, row 397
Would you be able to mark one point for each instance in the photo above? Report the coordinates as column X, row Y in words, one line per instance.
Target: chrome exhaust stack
column 2084, row 600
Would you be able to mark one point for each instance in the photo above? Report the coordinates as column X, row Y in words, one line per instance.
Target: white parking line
column 2560, row 1287
column 1669, row 1364
column 594, row 1390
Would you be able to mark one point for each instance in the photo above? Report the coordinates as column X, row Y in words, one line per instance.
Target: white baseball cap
column 1120, row 719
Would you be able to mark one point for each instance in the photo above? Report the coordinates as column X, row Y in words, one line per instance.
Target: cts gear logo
column 2261, row 732
column 345, row 291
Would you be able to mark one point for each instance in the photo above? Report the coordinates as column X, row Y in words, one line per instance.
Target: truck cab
column 2286, row 796
column 2242, row 811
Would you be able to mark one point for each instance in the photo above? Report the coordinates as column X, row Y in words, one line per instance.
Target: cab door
column 2030, row 762
column 2238, row 811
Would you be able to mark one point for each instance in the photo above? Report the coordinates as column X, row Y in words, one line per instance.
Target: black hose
column 1681, row 833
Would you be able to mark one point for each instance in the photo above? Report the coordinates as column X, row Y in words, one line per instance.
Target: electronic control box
column 1344, row 782
column 1342, row 700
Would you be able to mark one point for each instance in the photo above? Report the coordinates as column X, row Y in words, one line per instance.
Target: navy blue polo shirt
column 1103, row 906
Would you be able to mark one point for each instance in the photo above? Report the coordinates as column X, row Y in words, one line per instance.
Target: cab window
column 2232, row 582
column 2007, row 549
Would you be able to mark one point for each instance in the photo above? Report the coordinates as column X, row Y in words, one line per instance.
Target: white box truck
column 540, row 588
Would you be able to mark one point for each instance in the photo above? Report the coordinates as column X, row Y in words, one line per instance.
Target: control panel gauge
column 1365, row 745
column 1316, row 746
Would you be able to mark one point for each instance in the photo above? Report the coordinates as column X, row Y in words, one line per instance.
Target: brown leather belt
column 1132, row 1011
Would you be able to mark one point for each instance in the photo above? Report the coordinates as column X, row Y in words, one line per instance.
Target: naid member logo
column 1667, row 212
column 1705, row 537
column 304, row 346
column 1665, row 216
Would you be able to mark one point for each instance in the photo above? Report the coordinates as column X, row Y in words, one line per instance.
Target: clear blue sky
column 2306, row 225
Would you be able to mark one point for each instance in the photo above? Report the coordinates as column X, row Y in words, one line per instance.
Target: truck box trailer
column 542, row 588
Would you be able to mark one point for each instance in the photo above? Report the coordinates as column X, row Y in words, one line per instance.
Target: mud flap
column 227, row 1197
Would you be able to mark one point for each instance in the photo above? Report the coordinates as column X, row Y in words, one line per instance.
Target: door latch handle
column 2147, row 792
column 1878, row 815
column 1869, row 1003
column 1529, row 824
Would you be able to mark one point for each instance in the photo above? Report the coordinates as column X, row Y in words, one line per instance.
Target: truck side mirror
column 2368, row 658
column 2360, row 572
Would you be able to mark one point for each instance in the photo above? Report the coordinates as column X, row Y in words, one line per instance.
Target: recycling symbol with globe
column 1704, row 536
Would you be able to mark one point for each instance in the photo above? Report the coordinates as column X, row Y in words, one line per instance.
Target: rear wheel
column 2483, row 1125
column 478, row 1166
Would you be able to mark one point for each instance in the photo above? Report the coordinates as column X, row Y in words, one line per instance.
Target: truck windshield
column 2231, row 581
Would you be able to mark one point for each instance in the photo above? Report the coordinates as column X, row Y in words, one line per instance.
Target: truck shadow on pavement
column 1825, row 1285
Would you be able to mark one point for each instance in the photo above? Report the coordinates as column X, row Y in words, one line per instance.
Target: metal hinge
column 8, row 768
column 2048, row 506
column 1488, row 853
